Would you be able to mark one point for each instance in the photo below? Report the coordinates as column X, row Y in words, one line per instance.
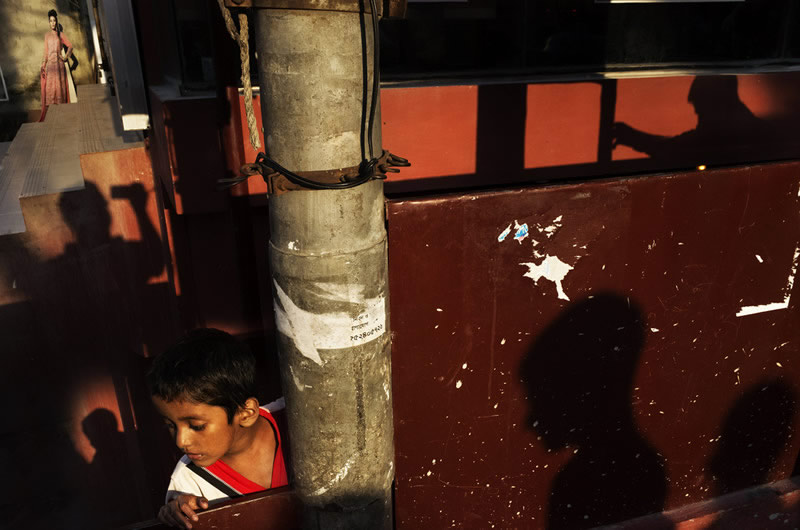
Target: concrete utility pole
column 329, row 264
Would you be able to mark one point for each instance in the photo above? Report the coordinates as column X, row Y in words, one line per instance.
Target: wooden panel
column 219, row 271
column 187, row 151
column 633, row 351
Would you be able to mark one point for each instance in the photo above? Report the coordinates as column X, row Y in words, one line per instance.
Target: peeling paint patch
column 793, row 273
column 551, row 268
column 550, row 231
column 459, row 383
column 504, row 233
column 755, row 309
column 521, row 231
column 292, row 245
column 775, row 306
column 760, row 260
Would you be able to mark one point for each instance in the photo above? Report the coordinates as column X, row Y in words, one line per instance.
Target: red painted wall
column 477, row 136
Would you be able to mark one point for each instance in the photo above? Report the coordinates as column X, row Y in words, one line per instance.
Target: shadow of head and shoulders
column 579, row 377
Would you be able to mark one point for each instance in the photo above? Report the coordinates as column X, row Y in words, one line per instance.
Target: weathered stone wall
column 24, row 25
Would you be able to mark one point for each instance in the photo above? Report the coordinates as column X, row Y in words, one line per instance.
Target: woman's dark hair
column 52, row 13
column 206, row 366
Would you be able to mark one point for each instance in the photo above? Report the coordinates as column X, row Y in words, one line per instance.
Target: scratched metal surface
column 635, row 352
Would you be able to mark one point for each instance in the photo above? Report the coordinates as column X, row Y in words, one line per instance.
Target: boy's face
column 201, row 431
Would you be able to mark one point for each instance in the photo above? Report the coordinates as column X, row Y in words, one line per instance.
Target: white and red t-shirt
column 219, row 480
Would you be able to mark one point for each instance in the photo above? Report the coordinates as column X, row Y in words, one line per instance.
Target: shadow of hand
column 622, row 134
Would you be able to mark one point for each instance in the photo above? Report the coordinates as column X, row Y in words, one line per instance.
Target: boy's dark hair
column 206, row 366
column 52, row 13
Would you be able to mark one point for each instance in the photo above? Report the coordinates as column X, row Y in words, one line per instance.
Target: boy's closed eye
column 199, row 427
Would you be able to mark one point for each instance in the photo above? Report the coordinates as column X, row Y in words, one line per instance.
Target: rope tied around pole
column 241, row 37
column 278, row 178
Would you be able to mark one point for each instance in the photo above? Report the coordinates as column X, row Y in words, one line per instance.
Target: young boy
column 204, row 388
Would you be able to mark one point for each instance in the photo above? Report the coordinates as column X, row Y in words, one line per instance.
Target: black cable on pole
column 376, row 68
column 264, row 161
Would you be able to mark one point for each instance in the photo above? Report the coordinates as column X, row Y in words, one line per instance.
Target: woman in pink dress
column 54, row 73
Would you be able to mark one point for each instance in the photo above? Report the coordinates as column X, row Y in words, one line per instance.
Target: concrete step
column 92, row 92
column 12, row 178
column 101, row 126
column 55, row 164
column 45, row 157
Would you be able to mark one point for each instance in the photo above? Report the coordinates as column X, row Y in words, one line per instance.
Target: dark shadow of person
column 726, row 129
column 755, row 432
column 102, row 430
column 110, row 272
column 579, row 378
column 41, row 492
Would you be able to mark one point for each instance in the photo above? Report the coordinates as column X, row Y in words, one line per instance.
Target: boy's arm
column 180, row 511
column 184, row 498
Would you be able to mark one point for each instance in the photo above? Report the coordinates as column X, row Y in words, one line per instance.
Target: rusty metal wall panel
column 574, row 355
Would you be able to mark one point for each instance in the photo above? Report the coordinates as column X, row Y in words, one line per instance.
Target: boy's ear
column 248, row 414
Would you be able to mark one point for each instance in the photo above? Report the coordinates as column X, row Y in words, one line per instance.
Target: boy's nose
column 182, row 439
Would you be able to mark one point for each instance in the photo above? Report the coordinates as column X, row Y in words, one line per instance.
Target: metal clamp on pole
column 281, row 180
